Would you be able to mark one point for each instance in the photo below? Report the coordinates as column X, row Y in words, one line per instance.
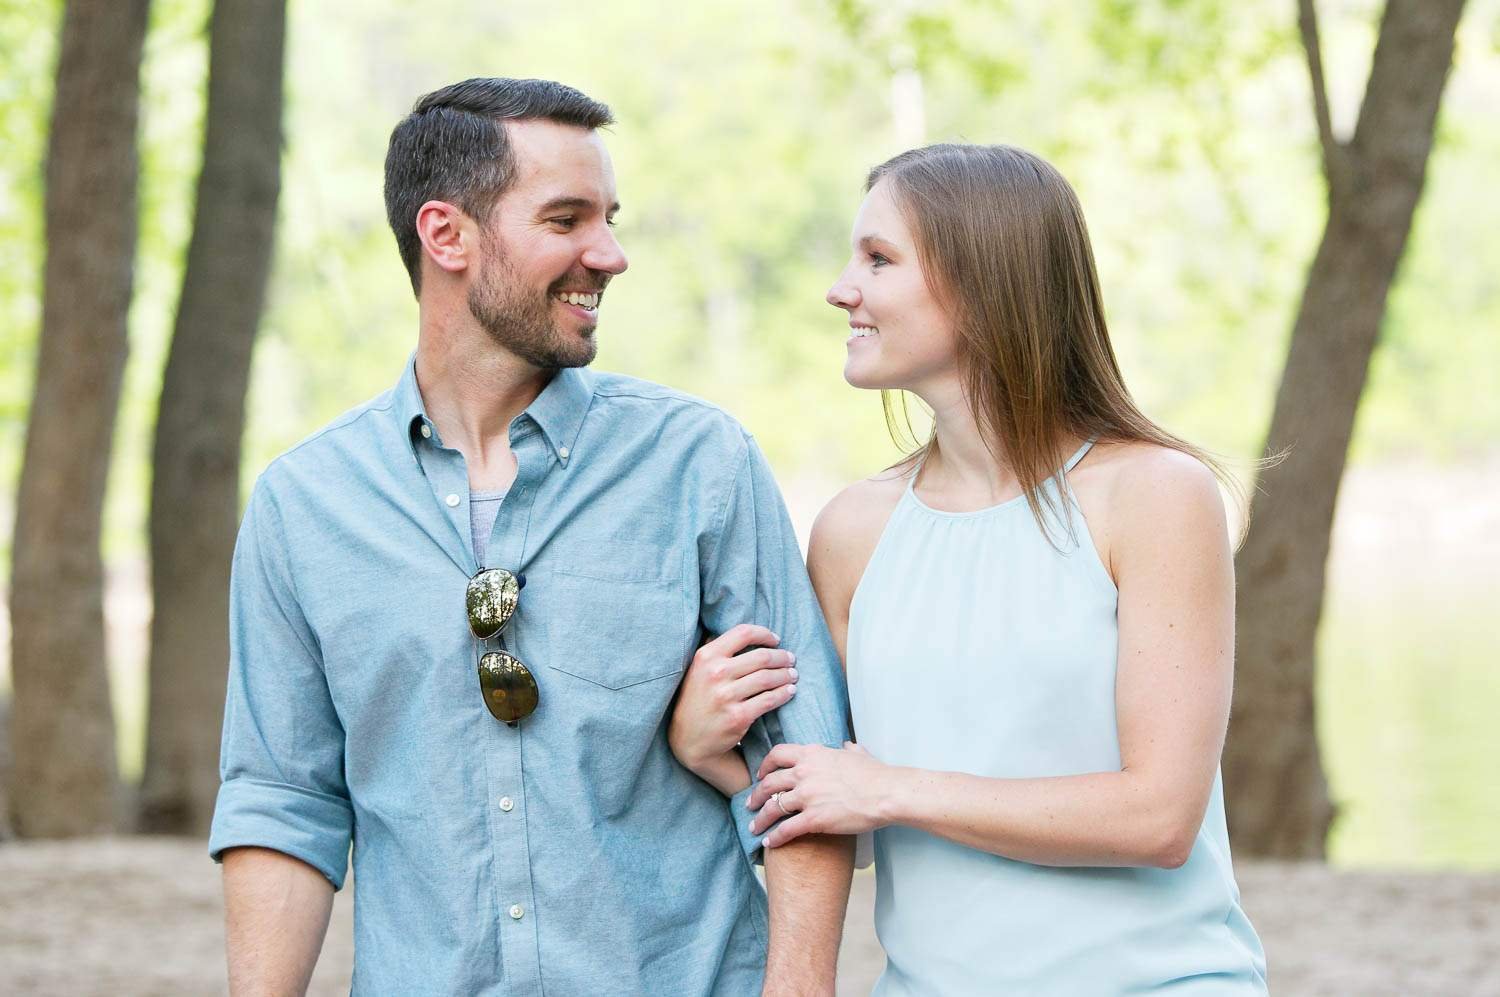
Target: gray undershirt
column 483, row 508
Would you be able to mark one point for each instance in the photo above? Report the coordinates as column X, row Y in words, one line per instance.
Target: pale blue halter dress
column 976, row 646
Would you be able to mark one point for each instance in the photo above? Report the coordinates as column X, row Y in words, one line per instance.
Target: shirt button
column 506, row 804
column 452, row 501
column 517, row 911
column 426, row 431
column 562, row 452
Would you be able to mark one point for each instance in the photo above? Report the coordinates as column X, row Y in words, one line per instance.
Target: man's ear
column 447, row 234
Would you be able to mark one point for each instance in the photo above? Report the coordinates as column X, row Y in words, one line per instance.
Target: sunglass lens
column 491, row 599
column 509, row 689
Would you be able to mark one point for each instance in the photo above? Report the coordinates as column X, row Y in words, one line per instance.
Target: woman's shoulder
column 1135, row 473
column 862, row 508
column 1130, row 490
column 847, row 530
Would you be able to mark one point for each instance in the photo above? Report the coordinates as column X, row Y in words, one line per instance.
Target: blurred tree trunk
column 62, row 729
column 1273, row 779
column 195, row 482
column 5, row 771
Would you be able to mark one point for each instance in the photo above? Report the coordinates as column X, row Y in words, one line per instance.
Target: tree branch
column 1333, row 151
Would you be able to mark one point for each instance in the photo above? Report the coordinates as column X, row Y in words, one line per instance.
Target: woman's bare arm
column 1168, row 550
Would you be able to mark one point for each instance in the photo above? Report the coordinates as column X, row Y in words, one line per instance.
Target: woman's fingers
column 789, row 830
column 761, row 680
column 771, row 812
column 759, row 705
column 783, row 756
column 780, row 781
column 760, row 659
column 736, row 639
column 777, row 782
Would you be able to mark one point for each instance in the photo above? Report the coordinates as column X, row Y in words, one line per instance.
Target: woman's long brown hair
column 1002, row 242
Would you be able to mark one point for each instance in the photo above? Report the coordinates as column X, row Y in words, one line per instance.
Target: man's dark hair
column 452, row 147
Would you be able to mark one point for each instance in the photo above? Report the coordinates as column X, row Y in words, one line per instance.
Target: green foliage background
column 744, row 134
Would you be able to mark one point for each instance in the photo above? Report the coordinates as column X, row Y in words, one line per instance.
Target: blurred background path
column 143, row 917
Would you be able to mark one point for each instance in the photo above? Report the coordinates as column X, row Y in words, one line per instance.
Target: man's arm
column 276, row 911
column 808, row 881
column 753, row 573
column 283, row 821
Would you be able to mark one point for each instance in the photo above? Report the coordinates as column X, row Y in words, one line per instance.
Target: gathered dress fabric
column 979, row 645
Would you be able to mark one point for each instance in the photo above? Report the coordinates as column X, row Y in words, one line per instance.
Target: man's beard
column 521, row 320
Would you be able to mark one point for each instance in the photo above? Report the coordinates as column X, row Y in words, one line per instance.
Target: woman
column 1036, row 612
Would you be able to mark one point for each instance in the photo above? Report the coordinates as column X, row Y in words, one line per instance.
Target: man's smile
column 588, row 301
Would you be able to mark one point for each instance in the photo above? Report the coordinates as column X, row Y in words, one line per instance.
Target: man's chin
column 581, row 351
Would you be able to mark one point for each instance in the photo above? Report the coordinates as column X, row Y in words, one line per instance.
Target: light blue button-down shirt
column 570, row 854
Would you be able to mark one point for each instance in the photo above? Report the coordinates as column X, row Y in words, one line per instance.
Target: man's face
column 548, row 250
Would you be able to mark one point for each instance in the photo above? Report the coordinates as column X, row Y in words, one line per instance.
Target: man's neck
column 472, row 389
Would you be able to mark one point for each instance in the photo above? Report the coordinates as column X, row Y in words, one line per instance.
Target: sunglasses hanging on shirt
column 509, row 689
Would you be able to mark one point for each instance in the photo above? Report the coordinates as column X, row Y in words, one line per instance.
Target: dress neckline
column 911, row 491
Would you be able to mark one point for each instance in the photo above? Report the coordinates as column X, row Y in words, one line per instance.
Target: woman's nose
column 842, row 295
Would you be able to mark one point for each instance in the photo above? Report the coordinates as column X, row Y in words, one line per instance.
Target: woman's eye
column 877, row 260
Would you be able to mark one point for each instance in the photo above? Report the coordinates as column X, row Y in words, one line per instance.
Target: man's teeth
column 589, row 301
column 861, row 331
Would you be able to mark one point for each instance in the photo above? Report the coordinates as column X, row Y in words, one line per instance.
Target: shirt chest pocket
column 614, row 611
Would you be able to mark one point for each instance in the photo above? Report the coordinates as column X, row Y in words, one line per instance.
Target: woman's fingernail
column 791, row 690
column 791, row 658
column 766, row 843
column 776, row 637
column 793, row 674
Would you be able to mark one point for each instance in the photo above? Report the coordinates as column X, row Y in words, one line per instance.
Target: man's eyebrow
column 574, row 204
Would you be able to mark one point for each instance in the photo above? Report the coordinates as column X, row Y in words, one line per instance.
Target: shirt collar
column 410, row 411
column 559, row 410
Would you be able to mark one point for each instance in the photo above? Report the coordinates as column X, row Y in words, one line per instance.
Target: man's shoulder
column 331, row 445
column 610, row 385
column 666, row 404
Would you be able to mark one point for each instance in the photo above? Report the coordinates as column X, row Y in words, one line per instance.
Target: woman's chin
column 859, row 376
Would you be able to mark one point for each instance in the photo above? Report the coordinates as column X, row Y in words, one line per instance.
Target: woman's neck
column 963, row 468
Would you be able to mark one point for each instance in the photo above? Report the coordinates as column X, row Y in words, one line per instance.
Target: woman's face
column 900, row 337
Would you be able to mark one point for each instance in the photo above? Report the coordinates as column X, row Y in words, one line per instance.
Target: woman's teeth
column 589, row 301
column 861, row 331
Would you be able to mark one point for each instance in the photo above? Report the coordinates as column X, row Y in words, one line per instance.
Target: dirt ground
column 142, row 916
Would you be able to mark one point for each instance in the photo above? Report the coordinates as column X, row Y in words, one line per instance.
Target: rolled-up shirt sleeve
column 281, row 759
column 752, row 572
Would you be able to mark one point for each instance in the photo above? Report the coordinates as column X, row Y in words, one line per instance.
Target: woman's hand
column 825, row 790
column 724, row 692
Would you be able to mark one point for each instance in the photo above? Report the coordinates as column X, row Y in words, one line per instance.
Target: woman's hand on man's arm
column 732, row 681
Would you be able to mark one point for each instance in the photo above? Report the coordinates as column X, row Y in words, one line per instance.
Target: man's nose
column 605, row 254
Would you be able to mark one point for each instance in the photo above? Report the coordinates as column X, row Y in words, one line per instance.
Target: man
column 493, row 742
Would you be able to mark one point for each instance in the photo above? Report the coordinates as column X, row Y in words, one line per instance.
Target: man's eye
column 566, row 222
